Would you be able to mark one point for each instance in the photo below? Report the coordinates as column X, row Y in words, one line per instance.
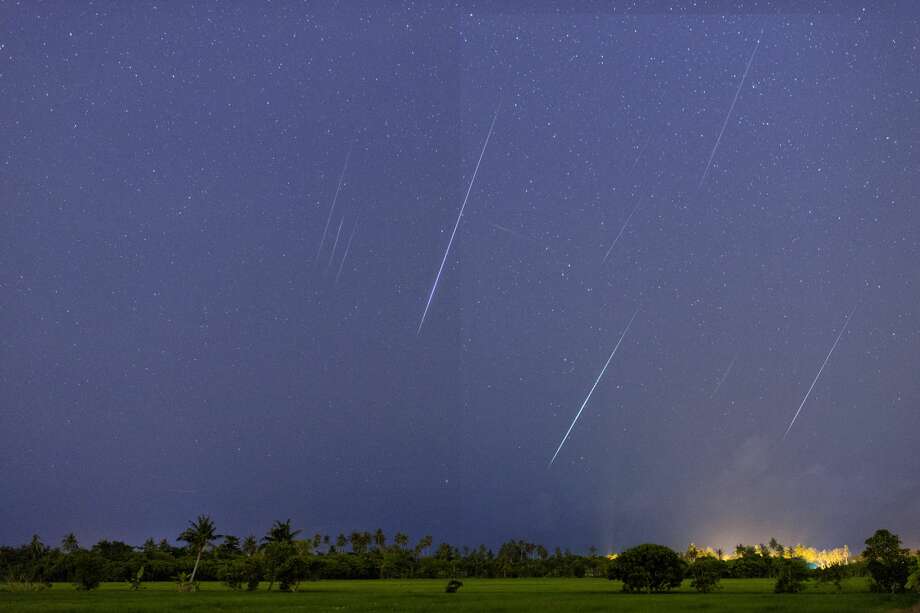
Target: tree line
column 283, row 558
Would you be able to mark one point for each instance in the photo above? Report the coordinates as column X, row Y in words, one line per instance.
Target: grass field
column 528, row 595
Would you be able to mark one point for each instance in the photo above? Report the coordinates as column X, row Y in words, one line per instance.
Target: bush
column 290, row 573
column 888, row 564
column 135, row 581
column 705, row 574
column 89, row 570
column 791, row 573
column 648, row 568
column 913, row 580
column 833, row 573
column 233, row 574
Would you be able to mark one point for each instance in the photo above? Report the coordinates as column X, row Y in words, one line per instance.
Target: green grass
column 526, row 595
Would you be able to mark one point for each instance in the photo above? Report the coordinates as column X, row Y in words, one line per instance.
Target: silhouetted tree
column 230, row 547
column 281, row 532
column 380, row 539
column 887, row 562
column 250, row 545
column 705, row 573
column 199, row 535
column 69, row 543
column 790, row 574
column 648, row 568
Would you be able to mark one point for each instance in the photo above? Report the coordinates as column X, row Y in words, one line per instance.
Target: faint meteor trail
column 729, row 114
column 623, row 229
column 724, row 376
column 588, row 397
column 512, row 232
column 332, row 207
column 638, row 157
column 820, row 370
column 335, row 244
column 450, row 243
column 347, row 249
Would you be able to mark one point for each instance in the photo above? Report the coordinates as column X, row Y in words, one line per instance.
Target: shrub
column 648, row 568
column 233, row 574
column 833, row 573
column 887, row 562
column 790, row 574
column 135, row 580
column 89, row 570
column 290, row 573
column 913, row 580
column 705, row 574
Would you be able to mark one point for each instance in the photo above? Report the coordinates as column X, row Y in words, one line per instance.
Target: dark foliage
column 89, row 569
column 705, row 573
column 791, row 573
column 452, row 586
column 648, row 568
column 887, row 562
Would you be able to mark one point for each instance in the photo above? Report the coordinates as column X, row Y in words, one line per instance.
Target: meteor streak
column 724, row 376
column 588, row 397
column 335, row 244
column 450, row 243
column 641, row 151
column 728, row 115
column 512, row 232
column 623, row 229
column 820, row 370
column 334, row 198
column 347, row 249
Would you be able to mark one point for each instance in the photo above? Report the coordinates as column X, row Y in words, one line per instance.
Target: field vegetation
column 284, row 569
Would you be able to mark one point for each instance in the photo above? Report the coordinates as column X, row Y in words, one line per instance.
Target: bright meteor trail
column 728, row 115
column 820, row 370
column 335, row 244
column 450, row 243
column 347, row 249
column 623, row 229
column 332, row 208
column 724, row 376
column 588, row 397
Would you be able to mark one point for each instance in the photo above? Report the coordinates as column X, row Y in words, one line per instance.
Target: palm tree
column 340, row 541
column 424, row 544
column 357, row 542
column 250, row 545
column 401, row 539
column 281, row 532
column 69, row 544
column 230, row 546
column 199, row 534
column 36, row 547
column 380, row 539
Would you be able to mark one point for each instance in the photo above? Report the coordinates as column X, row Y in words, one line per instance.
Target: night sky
column 180, row 334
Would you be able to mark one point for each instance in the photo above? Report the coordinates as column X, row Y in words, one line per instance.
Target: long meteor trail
column 334, row 198
column 641, row 151
column 335, row 244
column 598, row 380
column 450, row 243
column 347, row 249
column 820, row 370
column 729, row 114
column 623, row 229
column 724, row 376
